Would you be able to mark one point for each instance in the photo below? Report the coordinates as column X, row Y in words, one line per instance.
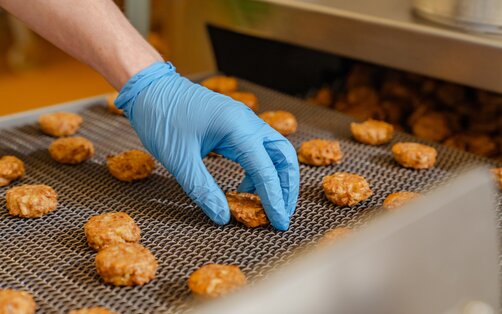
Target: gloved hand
column 180, row 122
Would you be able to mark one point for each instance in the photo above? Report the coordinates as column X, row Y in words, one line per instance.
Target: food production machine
column 440, row 254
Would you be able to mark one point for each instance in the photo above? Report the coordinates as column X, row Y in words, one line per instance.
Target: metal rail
column 384, row 32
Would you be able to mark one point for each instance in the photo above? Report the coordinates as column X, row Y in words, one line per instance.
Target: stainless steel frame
column 384, row 32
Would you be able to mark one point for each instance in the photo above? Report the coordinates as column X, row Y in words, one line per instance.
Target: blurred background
column 34, row 73
column 426, row 79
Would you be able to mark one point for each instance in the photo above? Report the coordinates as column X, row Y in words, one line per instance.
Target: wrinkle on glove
column 180, row 122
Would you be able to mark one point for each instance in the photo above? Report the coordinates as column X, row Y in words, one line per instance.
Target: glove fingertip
column 281, row 225
column 216, row 208
column 221, row 218
column 279, row 219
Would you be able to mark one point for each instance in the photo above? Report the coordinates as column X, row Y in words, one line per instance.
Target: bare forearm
column 93, row 31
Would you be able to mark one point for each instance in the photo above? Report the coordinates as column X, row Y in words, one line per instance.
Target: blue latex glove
column 180, row 122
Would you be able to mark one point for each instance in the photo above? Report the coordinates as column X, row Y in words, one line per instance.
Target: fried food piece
column 361, row 103
column 215, row 280
column 109, row 229
column 497, row 173
column 11, row 168
column 481, row 145
column 59, row 124
column 479, row 123
column 247, row 98
column 93, row 310
column 396, row 89
column 362, row 112
column 130, row 165
column 126, row 264
column 474, row 143
column 414, row 155
column 31, row 201
column 247, row 209
column 419, row 111
column 221, row 84
column 363, row 95
column 398, row 199
column 432, row 126
column 282, row 121
column 71, row 150
column 111, row 106
column 16, row 302
column 323, row 97
column 372, row 132
column 334, row 235
column 319, row 152
column 346, row 189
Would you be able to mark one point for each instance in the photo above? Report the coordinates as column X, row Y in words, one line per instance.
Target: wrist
column 125, row 57
column 134, row 64
column 141, row 81
column 126, row 67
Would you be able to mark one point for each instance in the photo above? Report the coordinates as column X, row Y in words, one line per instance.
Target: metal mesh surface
column 50, row 258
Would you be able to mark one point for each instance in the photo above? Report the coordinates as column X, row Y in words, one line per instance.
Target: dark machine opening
column 284, row 67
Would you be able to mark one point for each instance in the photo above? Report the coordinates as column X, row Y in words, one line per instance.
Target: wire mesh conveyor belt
column 50, row 258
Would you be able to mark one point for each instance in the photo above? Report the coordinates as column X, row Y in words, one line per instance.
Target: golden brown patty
column 414, row 155
column 478, row 144
column 372, row 132
column 11, row 168
column 60, row 124
column 247, row 209
column 93, row 310
column 111, row 106
column 31, row 201
column 221, row 84
column 394, row 89
column 319, row 152
column 334, row 235
column 398, row 199
column 346, row 189
column 71, row 150
column 130, row 165
column 360, row 111
column 323, row 97
column 126, row 264
column 282, row 121
column 216, row 280
column 111, row 228
column 432, row 126
column 16, row 302
column 363, row 95
column 247, row 98
column 497, row 173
